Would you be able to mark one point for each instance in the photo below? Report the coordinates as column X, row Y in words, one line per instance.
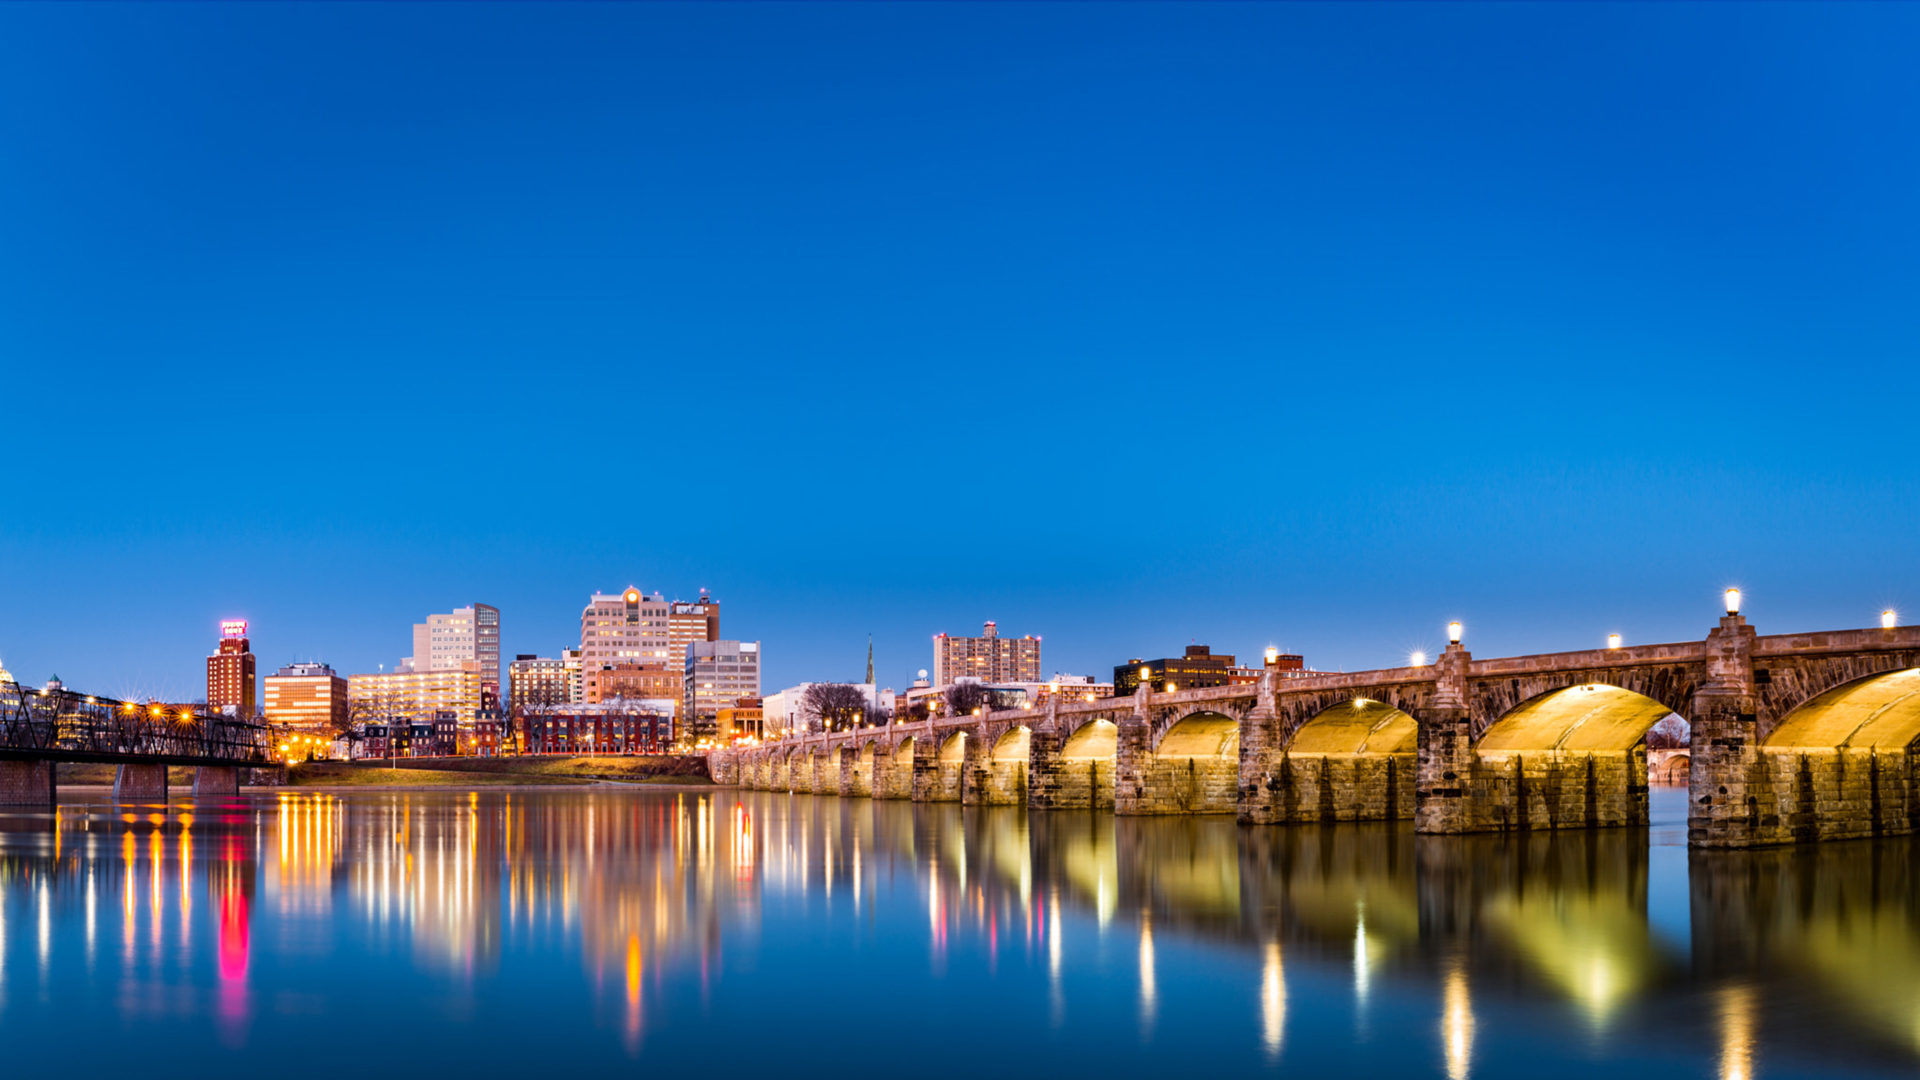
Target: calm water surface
column 496, row 934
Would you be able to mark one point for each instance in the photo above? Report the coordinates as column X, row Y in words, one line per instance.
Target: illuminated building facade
column 718, row 674
column 989, row 658
column 462, row 636
column 230, row 672
column 309, row 698
column 688, row 622
column 417, row 695
column 631, row 680
column 1198, row 667
column 745, row 720
column 539, row 681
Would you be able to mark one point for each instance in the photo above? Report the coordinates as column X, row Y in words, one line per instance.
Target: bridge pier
column 28, row 783
column 893, row 769
column 216, row 780
column 856, row 772
column 1443, row 770
column 941, row 778
column 1725, row 746
column 140, row 782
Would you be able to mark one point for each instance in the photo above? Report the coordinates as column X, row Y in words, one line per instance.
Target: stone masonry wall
column 1817, row 794
column 1073, row 784
column 1557, row 789
column 1183, row 785
column 1346, row 787
column 27, row 783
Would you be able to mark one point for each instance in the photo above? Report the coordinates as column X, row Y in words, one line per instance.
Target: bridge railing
column 51, row 723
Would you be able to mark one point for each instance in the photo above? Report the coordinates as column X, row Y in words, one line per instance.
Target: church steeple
column 870, row 681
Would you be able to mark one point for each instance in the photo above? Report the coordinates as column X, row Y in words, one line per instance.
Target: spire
column 870, row 681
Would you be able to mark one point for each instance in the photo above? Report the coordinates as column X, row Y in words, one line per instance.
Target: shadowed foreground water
column 495, row 934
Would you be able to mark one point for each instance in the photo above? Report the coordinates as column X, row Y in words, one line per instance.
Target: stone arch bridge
column 1795, row 737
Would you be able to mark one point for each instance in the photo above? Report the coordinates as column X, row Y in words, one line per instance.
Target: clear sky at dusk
column 1128, row 326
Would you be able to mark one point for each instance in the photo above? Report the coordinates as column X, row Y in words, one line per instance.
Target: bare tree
column 1671, row 733
column 963, row 698
column 532, row 710
column 835, row 706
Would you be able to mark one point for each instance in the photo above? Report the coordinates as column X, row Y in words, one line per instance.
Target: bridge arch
column 1192, row 768
column 1586, row 717
column 1093, row 740
column 999, row 777
column 1878, row 712
column 953, row 748
column 1351, row 761
column 1357, row 726
column 1202, row 734
column 1574, row 757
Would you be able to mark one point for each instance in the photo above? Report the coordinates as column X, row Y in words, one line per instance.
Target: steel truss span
column 63, row 725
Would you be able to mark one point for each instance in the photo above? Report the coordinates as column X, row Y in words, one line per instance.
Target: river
column 526, row 933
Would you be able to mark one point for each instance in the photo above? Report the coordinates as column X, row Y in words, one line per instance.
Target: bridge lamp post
column 1889, row 619
column 1417, row 658
column 1613, row 641
column 1453, row 632
column 1733, row 601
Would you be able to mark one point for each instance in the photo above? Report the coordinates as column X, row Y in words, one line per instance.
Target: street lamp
column 1733, row 601
column 1613, row 641
column 1889, row 619
column 1453, row 632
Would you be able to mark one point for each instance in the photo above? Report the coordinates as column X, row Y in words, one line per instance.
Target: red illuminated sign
column 233, row 628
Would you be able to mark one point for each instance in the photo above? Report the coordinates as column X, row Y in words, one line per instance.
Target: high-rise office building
column 989, row 658
column 688, row 622
column 464, row 635
column 718, row 675
column 309, row 698
column 624, row 627
column 626, row 648
column 230, row 671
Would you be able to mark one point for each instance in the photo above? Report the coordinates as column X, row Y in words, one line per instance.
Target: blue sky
column 1129, row 326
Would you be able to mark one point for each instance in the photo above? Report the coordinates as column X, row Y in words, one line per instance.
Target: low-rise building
column 745, row 720
column 609, row 727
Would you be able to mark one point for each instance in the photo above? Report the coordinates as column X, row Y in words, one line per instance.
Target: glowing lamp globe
column 1733, row 601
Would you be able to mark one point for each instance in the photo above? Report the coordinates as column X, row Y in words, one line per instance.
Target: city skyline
column 1329, row 325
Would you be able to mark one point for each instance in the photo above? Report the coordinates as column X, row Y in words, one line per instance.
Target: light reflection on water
column 490, row 931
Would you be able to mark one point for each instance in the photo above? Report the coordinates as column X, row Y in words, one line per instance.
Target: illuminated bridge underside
column 1843, row 765
column 1794, row 737
column 1351, row 762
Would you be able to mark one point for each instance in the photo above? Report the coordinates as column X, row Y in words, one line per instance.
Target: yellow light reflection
column 1736, row 1034
column 1149, row 994
column 1456, row 1024
column 1273, row 1002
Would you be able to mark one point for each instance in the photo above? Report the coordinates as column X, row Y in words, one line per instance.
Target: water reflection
column 660, row 918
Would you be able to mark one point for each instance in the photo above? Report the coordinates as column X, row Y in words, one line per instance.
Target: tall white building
column 464, row 635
